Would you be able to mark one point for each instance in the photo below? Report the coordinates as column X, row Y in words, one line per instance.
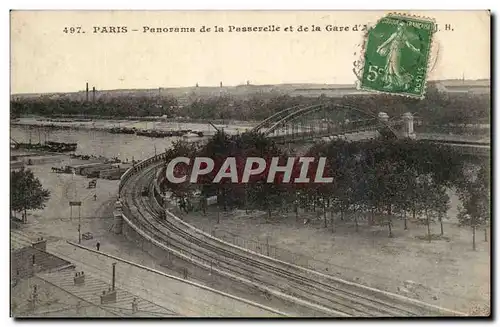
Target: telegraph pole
column 79, row 225
column 79, row 205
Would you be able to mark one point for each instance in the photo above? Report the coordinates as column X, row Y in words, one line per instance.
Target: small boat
column 122, row 130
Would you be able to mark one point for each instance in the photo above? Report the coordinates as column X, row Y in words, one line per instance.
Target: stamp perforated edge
column 361, row 62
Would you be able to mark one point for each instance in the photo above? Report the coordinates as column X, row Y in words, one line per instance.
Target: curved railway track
column 322, row 294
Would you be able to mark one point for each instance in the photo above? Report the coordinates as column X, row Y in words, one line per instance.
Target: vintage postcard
column 170, row 164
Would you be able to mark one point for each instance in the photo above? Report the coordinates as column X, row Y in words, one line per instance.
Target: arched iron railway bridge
column 305, row 124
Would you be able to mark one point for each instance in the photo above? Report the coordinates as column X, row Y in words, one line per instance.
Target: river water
column 93, row 140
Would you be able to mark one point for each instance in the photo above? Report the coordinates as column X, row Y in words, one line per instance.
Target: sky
column 45, row 59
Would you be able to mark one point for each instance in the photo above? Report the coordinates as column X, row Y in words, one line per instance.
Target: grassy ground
column 444, row 272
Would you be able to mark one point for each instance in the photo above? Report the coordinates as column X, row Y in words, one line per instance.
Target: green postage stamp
column 396, row 56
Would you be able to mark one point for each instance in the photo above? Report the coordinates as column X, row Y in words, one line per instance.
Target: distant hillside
column 308, row 90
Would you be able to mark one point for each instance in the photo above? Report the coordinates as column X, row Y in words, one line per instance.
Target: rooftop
column 92, row 289
column 18, row 240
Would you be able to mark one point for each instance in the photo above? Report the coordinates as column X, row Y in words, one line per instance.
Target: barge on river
column 48, row 146
column 122, row 130
column 160, row 134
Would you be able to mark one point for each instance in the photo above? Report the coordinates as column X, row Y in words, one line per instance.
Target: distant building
column 339, row 90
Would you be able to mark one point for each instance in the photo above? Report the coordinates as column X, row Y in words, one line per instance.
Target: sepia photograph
column 250, row 164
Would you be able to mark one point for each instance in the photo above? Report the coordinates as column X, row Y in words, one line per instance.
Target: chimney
column 93, row 93
column 87, row 91
column 109, row 296
column 79, row 278
column 40, row 244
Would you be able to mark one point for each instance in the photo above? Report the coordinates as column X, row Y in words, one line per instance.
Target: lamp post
column 79, row 205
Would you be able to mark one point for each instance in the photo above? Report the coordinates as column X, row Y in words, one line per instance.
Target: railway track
column 324, row 295
column 180, row 246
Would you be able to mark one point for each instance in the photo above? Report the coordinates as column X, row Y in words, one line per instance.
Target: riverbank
column 82, row 118
column 156, row 123
column 100, row 143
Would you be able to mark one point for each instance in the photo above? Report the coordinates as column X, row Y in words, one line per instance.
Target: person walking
column 98, row 246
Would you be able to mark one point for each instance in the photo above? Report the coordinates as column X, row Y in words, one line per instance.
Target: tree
column 26, row 192
column 267, row 196
column 407, row 196
column 474, row 194
column 181, row 191
column 382, row 184
column 442, row 206
column 331, row 196
column 435, row 203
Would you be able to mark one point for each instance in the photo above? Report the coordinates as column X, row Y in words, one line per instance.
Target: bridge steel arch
column 277, row 116
column 293, row 115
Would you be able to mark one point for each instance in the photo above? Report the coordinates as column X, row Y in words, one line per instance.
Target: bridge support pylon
column 408, row 131
column 382, row 116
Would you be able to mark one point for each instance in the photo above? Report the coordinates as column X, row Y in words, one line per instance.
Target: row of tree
column 125, row 106
column 388, row 177
column 438, row 108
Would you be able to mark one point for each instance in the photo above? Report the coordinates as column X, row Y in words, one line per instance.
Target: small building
column 89, row 168
column 113, row 173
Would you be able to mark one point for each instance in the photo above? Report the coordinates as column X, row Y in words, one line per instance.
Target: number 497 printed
column 73, row 30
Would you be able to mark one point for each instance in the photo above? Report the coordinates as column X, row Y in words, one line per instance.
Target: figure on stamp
column 391, row 48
